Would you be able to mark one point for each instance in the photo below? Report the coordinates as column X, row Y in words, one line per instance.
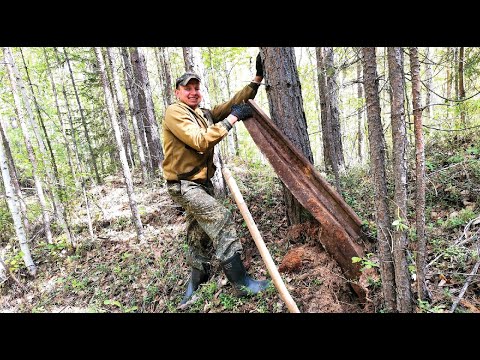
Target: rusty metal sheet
column 340, row 231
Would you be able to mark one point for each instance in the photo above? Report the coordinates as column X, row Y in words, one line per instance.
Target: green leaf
column 356, row 259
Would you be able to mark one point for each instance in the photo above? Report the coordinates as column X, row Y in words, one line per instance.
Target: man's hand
column 242, row 111
column 259, row 66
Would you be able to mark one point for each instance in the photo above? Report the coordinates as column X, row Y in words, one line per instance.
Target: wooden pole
column 262, row 248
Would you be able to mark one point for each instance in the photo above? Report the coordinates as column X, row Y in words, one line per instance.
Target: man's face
column 190, row 94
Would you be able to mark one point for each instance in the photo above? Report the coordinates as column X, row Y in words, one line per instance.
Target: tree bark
column 148, row 114
column 322, row 92
column 77, row 155
column 14, row 208
column 28, row 144
column 163, row 67
column 332, row 101
column 286, row 108
column 399, row 137
column 60, row 119
column 429, row 110
column 421, row 243
column 14, row 179
column 133, row 105
column 54, row 179
column 127, row 143
column 121, row 150
column 377, row 157
column 461, row 86
column 360, row 111
column 93, row 156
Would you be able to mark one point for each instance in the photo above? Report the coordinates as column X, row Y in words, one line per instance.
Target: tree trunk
column 40, row 118
column 329, row 150
column 286, row 108
column 147, row 110
column 461, row 87
column 322, row 92
column 332, row 101
column 54, row 179
column 14, row 179
column 193, row 62
column 399, row 137
column 428, row 81
column 13, row 205
column 77, row 155
column 163, row 64
column 360, row 111
column 449, row 75
column 421, row 243
column 121, row 150
column 126, row 141
column 93, row 156
column 232, row 134
column 456, row 72
column 29, row 147
column 60, row 120
column 133, row 105
column 377, row 155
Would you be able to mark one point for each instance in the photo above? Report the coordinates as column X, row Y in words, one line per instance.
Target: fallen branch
column 465, row 286
column 464, row 238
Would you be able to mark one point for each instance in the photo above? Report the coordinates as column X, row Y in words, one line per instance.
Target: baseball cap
column 185, row 78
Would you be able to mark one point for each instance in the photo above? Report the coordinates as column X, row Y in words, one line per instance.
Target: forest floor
column 115, row 273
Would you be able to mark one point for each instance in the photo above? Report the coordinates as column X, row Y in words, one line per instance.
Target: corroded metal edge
column 340, row 225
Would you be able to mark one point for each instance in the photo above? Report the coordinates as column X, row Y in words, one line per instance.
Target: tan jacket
column 189, row 137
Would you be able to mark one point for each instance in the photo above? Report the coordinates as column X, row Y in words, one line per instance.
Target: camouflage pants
column 210, row 228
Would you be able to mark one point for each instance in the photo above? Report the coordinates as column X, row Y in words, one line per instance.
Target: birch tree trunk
column 77, row 155
column 421, row 243
column 286, row 108
column 140, row 139
column 40, row 118
column 13, row 206
column 399, row 137
column 123, row 158
column 54, row 185
column 31, row 154
column 14, row 179
column 377, row 157
column 60, row 119
column 93, row 156
column 193, row 62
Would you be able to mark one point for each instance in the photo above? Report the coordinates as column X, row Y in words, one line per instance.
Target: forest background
column 81, row 128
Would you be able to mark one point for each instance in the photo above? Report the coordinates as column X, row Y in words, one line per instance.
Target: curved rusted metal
column 340, row 231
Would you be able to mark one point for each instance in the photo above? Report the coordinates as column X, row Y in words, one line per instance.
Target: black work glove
column 259, row 66
column 242, row 111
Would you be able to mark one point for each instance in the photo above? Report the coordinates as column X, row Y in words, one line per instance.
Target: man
column 189, row 136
